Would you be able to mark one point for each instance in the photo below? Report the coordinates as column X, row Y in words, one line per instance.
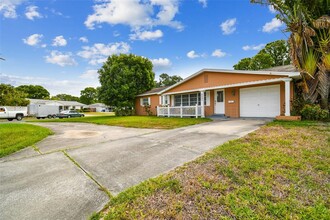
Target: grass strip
column 16, row 136
column 135, row 121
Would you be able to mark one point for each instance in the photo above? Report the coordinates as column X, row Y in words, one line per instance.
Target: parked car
column 13, row 112
column 70, row 114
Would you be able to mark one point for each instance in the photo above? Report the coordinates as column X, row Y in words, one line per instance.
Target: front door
column 219, row 101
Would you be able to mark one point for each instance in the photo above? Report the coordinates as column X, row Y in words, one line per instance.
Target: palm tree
column 308, row 22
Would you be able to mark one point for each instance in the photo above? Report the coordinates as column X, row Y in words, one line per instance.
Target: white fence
column 180, row 111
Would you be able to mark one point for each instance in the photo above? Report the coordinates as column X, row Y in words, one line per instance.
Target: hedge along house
column 231, row 93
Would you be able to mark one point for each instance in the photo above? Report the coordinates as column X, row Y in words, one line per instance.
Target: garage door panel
column 263, row 101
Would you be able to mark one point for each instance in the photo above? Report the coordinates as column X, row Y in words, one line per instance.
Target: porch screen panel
column 193, row 99
column 185, row 100
column 177, row 100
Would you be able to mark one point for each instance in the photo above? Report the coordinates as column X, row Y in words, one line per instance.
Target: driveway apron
column 64, row 182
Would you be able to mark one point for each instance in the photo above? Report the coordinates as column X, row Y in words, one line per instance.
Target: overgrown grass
column 18, row 136
column 280, row 171
column 135, row 121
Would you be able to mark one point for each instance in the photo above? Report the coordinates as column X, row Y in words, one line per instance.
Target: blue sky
column 60, row 44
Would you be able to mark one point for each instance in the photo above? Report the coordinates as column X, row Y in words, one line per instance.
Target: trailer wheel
column 54, row 116
column 38, row 117
column 9, row 119
column 19, row 117
column 49, row 116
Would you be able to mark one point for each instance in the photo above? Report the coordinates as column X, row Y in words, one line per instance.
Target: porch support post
column 202, row 104
column 287, row 96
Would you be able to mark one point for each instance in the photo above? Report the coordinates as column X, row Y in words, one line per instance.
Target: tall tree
column 88, row 95
column 308, row 22
column 9, row 96
column 275, row 53
column 243, row 64
column 65, row 97
column 166, row 80
column 122, row 77
column 279, row 51
column 34, row 91
column 261, row 61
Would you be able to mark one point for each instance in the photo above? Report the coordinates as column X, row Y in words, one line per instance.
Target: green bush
column 124, row 111
column 147, row 109
column 314, row 112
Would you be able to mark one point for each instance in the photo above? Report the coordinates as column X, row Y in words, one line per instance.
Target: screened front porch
column 184, row 105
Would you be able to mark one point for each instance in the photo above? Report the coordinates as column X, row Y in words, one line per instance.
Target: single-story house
column 63, row 105
column 231, row 93
column 98, row 107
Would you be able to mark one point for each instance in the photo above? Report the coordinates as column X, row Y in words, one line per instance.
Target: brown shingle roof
column 153, row 91
column 285, row 68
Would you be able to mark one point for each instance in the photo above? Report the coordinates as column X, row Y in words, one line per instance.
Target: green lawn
column 18, row 136
column 135, row 121
column 280, row 171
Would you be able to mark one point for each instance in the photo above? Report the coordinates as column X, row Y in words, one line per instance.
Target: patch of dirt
column 78, row 134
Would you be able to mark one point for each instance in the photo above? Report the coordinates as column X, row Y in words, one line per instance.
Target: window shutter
column 141, row 101
column 149, row 101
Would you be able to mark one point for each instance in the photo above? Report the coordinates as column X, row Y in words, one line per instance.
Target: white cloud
column 90, row 74
column 135, row 13
column 228, row 26
column 54, row 86
column 272, row 26
column 8, row 7
column 83, row 39
column 98, row 53
column 146, row 35
column 61, row 59
column 203, row 2
column 192, row 54
column 59, row 41
column 272, row 9
column 31, row 12
column 253, row 47
column 161, row 63
column 218, row 53
column 33, row 40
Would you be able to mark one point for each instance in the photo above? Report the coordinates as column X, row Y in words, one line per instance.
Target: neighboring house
column 232, row 93
column 98, row 107
column 63, row 105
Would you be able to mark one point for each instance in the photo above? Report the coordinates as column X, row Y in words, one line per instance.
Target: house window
column 185, row 100
column 189, row 99
column 219, row 96
column 193, row 99
column 177, row 100
column 165, row 100
column 145, row 101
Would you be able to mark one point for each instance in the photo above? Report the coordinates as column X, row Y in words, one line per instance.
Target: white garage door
column 263, row 101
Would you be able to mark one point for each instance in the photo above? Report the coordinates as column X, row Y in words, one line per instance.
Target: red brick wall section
column 140, row 110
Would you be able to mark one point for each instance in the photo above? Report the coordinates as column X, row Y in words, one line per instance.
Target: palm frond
column 322, row 22
column 310, row 63
column 326, row 61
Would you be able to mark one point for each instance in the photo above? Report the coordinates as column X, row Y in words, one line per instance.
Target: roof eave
column 295, row 75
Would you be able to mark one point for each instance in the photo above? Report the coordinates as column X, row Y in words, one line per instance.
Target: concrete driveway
column 62, row 177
